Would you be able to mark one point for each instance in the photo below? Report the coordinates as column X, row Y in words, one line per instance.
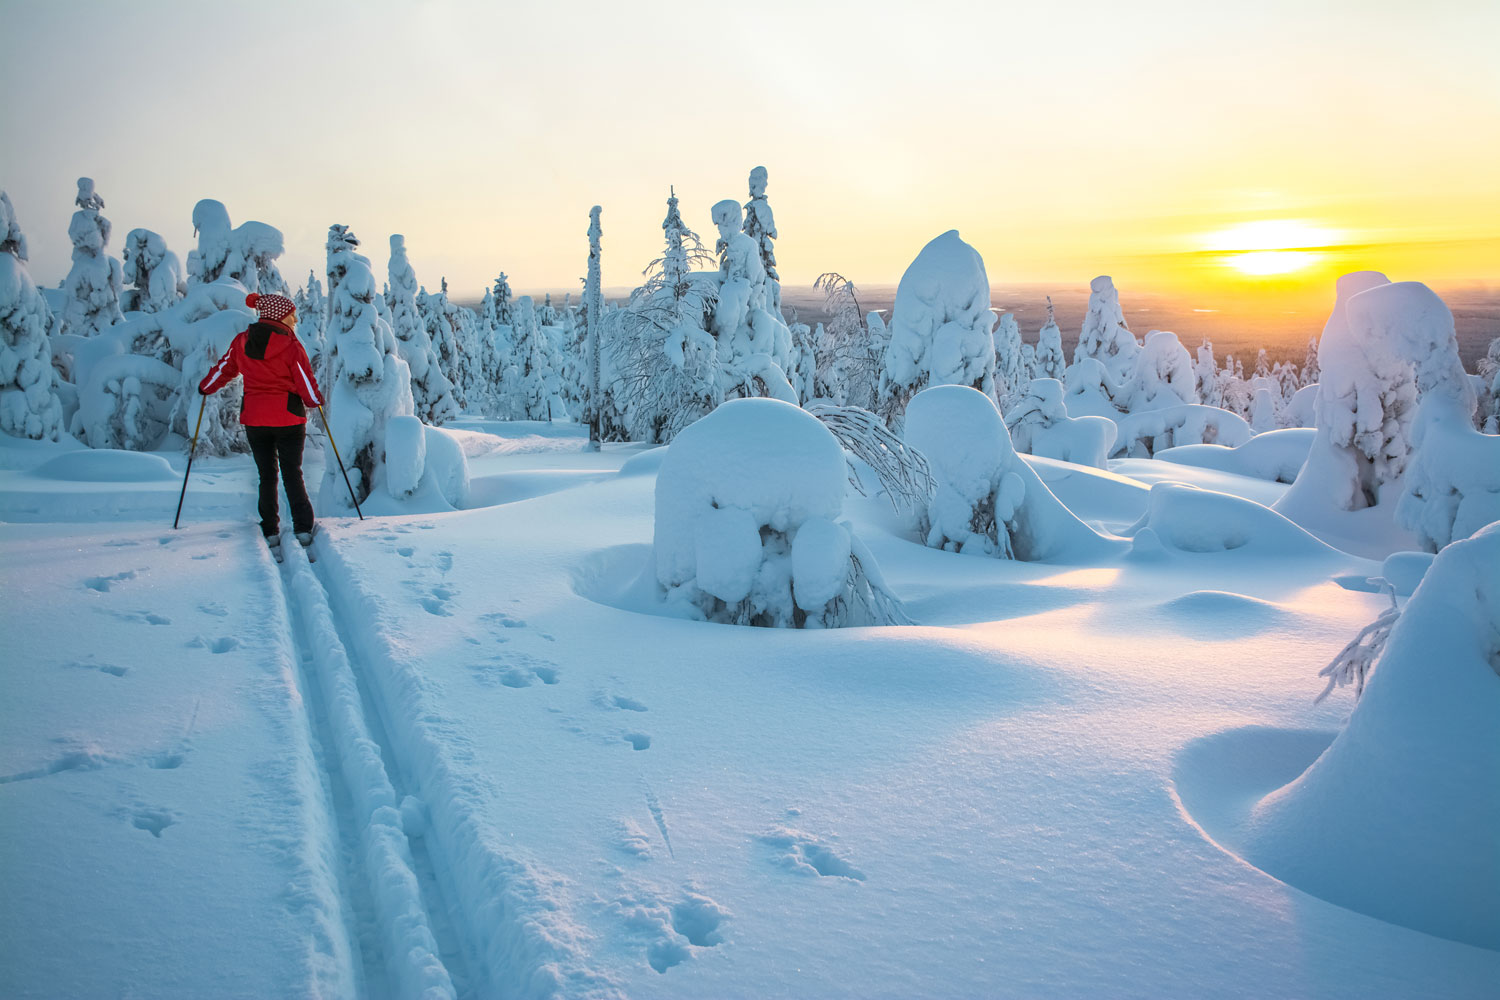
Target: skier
column 279, row 387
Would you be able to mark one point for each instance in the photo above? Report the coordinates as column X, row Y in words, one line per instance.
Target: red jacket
column 279, row 383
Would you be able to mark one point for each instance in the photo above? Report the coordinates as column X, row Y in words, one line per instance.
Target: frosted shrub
column 748, row 501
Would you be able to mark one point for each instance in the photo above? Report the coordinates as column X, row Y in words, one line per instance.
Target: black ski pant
column 271, row 445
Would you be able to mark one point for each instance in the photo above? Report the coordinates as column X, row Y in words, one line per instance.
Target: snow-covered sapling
column 748, row 502
column 91, row 291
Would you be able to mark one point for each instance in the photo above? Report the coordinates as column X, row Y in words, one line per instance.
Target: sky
column 1062, row 139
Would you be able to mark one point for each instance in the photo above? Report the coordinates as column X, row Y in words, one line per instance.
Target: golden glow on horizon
column 1264, row 262
column 1271, row 246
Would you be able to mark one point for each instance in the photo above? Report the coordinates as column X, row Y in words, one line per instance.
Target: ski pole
column 202, row 402
column 327, row 430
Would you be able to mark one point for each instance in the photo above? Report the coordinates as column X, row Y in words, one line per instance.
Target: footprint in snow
column 101, row 584
column 628, row 704
column 214, row 608
column 638, row 741
column 808, row 855
column 444, row 561
column 153, row 820
column 672, row 930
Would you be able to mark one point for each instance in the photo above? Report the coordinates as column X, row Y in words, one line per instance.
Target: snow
column 1274, row 455
column 1059, row 783
column 1397, row 818
column 941, row 325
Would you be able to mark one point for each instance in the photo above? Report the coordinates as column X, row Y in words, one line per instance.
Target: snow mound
column 106, row 465
column 747, row 502
column 1039, row 425
column 1398, row 818
column 1190, row 519
column 1217, row 614
column 988, row 500
column 1275, row 455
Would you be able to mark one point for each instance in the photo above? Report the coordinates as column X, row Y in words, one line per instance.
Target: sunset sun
column 1271, row 246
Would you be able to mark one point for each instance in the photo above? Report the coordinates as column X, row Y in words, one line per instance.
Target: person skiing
column 279, row 387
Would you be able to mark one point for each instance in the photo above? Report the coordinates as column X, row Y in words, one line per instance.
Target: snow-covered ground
column 454, row 756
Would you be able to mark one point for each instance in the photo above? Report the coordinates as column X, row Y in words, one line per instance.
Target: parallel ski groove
column 518, row 939
column 411, row 950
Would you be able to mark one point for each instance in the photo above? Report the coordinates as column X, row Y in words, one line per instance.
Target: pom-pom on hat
column 275, row 308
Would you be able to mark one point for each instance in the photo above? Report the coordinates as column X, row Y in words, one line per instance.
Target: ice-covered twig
column 1354, row 661
column 902, row 470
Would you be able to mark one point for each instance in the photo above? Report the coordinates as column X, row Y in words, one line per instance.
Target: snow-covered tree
column 760, row 226
column 91, row 291
column 1105, row 334
column 754, row 346
column 593, row 315
column 537, row 364
column 1039, row 424
column 1262, row 364
column 1265, row 406
column 1310, row 373
column 1010, row 367
column 153, row 271
column 1206, row 376
column 1050, row 361
column 432, row 393
column 29, row 406
column 988, row 501
column 246, row 253
column 848, row 369
column 312, row 316
column 1384, row 347
column 1161, row 376
column 748, row 529
column 662, row 358
column 367, row 384
column 1487, row 416
column 940, row 330
column 804, row 360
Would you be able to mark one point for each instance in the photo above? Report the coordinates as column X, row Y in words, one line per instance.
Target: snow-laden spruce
column 1162, row 376
column 754, row 346
column 760, row 226
column 1386, row 348
column 1398, row 818
column 660, row 360
column 1039, row 424
column 29, row 406
column 1050, row 360
column 535, row 367
column 1010, row 365
column 247, row 252
column 748, row 529
column 367, row 383
column 940, row 331
column 432, row 393
column 1105, row 334
column 91, row 291
column 1451, row 487
column 988, row 500
column 154, row 273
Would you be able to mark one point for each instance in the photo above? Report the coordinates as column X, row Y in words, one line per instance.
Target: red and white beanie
column 275, row 308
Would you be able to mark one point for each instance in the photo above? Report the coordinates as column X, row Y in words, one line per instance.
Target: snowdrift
column 1399, row 817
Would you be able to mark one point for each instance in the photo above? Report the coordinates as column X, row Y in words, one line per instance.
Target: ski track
column 455, row 915
column 401, row 913
column 514, row 915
